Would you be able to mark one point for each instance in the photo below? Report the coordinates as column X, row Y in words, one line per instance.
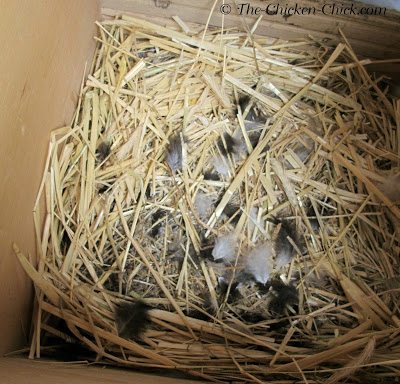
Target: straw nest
column 244, row 189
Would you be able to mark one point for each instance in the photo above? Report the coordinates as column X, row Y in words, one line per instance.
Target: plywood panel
column 45, row 45
column 21, row 371
column 373, row 36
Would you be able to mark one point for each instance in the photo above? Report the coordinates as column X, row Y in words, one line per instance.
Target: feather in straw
column 225, row 248
column 259, row 262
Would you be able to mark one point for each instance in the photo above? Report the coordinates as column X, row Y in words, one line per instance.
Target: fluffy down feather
column 225, row 248
column 260, row 262
column 221, row 165
column 204, row 205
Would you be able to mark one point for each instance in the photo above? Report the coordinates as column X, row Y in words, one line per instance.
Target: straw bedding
column 226, row 195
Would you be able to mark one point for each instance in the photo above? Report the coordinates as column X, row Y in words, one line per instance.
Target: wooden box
column 46, row 46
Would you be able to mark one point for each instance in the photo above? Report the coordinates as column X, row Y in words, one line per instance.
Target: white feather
column 204, row 205
column 260, row 262
column 253, row 219
column 221, row 165
column 283, row 259
column 225, row 247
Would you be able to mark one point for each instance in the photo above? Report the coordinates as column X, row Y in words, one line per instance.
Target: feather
column 206, row 254
column 227, row 145
column 283, row 296
column 206, row 249
column 241, row 149
column 103, row 151
column 242, row 104
column 221, row 166
column 225, row 248
column 232, row 293
column 132, row 319
column 209, row 175
column 230, row 211
column 252, row 118
column 253, row 219
column 259, row 262
column 175, row 153
column 284, row 249
column 156, row 222
column 204, row 205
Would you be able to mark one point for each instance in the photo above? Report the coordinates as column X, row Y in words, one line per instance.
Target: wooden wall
column 374, row 36
column 45, row 45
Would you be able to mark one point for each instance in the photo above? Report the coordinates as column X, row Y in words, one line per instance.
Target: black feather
column 263, row 288
column 208, row 175
column 206, row 248
column 283, row 296
column 254, row 138
column 282, row 244
column 156, row 222
column 206, row 254
column 242, row 103
column 251, row 114
column 234, row 293
column 245, row 277
column 103, row 151
column 287, row 229
column 132, row 319
column 230, row 210
column 148, row 192
column 230, row 144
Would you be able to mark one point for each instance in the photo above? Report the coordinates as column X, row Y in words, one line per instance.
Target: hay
column 120, row 224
